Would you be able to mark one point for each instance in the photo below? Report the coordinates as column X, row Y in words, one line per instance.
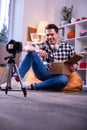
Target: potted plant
column 67, row 14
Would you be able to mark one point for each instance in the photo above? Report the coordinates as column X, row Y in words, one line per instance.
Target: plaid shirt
column 60, row 52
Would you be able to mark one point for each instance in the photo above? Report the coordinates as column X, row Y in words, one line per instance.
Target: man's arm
column 31, row 48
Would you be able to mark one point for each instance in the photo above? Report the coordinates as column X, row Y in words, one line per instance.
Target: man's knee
column 62, row 80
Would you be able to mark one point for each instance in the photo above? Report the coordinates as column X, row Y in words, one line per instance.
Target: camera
column 14, row 47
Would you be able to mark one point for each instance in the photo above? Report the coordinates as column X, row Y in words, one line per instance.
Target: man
column 40, row 56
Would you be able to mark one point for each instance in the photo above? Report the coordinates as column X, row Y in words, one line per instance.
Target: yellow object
column 74, row 84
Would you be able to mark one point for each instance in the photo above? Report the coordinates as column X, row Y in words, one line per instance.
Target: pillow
column 74, row 83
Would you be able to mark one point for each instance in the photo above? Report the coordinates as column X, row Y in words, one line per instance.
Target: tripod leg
column 3, row 74
column 10, row 73
column 23, row 89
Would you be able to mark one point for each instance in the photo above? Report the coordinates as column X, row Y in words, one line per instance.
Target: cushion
column 75, row 81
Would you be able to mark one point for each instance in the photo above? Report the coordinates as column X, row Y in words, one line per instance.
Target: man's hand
column 29, row 48
column 42, row 53
column 73, row 67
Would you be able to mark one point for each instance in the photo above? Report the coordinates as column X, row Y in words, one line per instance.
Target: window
column 4, row 20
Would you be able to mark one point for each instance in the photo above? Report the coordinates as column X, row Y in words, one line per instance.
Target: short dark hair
column 52, row 26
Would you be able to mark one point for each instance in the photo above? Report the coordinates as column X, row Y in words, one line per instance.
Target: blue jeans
column 49, row 81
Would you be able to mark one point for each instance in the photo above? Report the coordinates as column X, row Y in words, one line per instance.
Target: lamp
column 41, row 30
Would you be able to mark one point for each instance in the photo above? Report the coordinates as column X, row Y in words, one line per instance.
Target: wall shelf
column 78, row 41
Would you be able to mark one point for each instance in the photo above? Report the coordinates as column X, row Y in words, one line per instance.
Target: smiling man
column 40, row 56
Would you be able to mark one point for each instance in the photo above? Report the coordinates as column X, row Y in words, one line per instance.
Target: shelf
column 82, row 22
column 82, row 38
column 78, row 38
column 71, row 39
column 84, row 53
column 78, row 42
column 84, row 69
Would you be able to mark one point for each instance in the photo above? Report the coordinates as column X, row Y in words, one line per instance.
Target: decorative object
column 71, row 34
column 67, row 13
column 84, row 18
column 83, row 65
column 29, row 31
column 41, row 30
column 78, row 19
column 83, row 32
column 41, row 27
column 34, row 37
column 73, row 20
column 85, row 48
column 64, row 22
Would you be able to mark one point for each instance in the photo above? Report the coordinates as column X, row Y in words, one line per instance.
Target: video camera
column 14, row 47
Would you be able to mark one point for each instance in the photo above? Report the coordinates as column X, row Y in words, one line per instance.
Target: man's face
column 51, row 36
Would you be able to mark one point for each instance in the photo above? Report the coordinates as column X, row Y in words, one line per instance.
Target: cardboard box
column 59, row 68
column 62, row 67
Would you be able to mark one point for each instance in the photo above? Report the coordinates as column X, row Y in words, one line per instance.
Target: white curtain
column 4, row 13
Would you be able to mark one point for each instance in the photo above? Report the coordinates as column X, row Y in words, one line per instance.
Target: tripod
column 12, row 69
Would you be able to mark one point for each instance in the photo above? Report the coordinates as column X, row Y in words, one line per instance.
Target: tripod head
column 10, row 59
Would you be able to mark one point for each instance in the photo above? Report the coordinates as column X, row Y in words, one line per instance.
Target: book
column 62, row 67
column 75, row 59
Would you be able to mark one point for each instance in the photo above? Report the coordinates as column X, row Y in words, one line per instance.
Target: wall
column 80, row 8
column 27, row 13
column 30, row 12
column 34, row 11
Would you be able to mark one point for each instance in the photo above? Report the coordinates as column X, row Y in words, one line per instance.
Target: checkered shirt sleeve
column 63, row 52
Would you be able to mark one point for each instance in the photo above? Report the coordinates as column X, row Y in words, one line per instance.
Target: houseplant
column 67, row 13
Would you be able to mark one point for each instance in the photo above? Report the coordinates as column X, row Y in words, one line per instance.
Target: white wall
column 34, row 12
column 30, row 12
column 80, row 8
